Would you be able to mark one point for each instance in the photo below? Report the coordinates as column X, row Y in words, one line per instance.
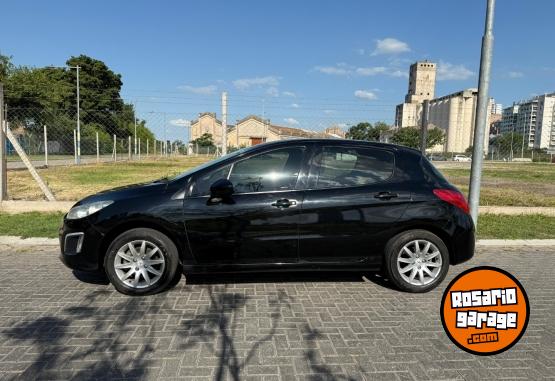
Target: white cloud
column 390, row 46
column 291, row 121
column 339, row 69
column 515, row 74
column 328, row 112
column 295, row 105
column 366, row 94
column 245, row 83
column 342, row 125
column 399, row 73
column 289, row 94
column 347, row 70
column 201, row 90
column 447, row 71
column 180, row 122
column 272, row 91
column 369, row 71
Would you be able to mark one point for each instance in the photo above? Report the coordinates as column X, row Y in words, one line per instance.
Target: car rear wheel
column 416, row 260
column 141, row 262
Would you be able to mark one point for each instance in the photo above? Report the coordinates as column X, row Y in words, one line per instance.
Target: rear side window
column 350, row 166
column 271, row 171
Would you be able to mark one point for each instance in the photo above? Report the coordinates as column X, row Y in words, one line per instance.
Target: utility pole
column 224, row 123
column 3, row 161
column 424, row 127
column 481, row 113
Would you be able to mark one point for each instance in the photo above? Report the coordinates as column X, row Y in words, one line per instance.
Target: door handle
column 284, row 203
column 385, row 195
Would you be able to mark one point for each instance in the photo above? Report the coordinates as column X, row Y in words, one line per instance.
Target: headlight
column 87, row 209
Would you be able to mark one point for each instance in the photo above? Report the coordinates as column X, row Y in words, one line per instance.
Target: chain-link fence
column 54, row 137
column 164, row 143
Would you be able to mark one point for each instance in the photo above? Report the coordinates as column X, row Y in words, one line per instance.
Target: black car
column 310, row 204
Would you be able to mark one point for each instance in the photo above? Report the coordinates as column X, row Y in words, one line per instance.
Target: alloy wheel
column 419, row 262
column 139, row 264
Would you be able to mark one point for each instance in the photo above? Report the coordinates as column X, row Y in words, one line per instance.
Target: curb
column 10, row 240
column 38, row 241
column 13, row 207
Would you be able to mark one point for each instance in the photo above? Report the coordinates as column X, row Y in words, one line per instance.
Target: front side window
column 270, row 171
column 201, row 186
column 350, row 167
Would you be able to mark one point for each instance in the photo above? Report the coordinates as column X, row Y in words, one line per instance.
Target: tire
column 398, row 261
column 158, row 258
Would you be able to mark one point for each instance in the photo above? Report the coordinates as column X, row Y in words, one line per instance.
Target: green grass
column 33, row 224
column 509, row 184
column 533, row 226
column 75, row 182
column 503, row 184
column 490, row 225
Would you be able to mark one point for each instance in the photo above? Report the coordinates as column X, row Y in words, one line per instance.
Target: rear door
column 352, row 199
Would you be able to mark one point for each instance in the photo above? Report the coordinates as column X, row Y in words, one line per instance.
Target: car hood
column 126, row 192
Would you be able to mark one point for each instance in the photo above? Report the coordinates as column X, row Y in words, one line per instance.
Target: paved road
column 254, row 327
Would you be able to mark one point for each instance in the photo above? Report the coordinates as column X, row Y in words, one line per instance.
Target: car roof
column 342, row 142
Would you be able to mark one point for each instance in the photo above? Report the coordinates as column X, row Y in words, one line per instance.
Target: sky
column 306, row 64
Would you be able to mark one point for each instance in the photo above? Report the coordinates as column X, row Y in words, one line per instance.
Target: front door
column 352, row 200
column 259, row 223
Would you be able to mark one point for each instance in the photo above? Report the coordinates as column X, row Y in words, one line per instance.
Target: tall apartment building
column 455, row 114
column 508, row 119
column 496, row 108
column 422, row 82
column 534, row 119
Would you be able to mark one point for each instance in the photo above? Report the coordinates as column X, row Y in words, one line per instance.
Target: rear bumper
column 463, row 240
column 80, row 245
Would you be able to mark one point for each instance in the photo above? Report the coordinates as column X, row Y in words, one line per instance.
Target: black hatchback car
column 288, row 205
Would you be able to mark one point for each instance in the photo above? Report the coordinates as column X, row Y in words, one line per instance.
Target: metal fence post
column 97, row 149
column 45, row 146
column 139, row 148
column 147, row 147
column 3, row 161
column 129, row 147
column 75, row 146
column 114, row 153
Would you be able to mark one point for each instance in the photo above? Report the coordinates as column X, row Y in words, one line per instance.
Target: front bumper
column 80, row 245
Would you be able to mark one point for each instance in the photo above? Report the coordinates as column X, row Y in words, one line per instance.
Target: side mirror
column 220, row 190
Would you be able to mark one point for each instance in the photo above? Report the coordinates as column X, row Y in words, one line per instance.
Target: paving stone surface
column 338, row 326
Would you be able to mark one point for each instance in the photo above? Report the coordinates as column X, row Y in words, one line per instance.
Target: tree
column 365, row 131
column 410, row 137
column 47, row 96
column 205, row 140
column 6, row 67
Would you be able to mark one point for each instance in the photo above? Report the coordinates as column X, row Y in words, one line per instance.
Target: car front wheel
column 141, row 262
column 416, row 260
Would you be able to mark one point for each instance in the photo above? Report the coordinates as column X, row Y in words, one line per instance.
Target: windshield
column 210, row 163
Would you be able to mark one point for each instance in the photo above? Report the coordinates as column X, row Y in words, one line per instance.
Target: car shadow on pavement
column 109, row 336
column 289, row 277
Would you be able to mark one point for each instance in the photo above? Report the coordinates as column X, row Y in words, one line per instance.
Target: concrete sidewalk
column 63, row 206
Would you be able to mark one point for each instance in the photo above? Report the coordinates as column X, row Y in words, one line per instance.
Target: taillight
column 453, row 197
